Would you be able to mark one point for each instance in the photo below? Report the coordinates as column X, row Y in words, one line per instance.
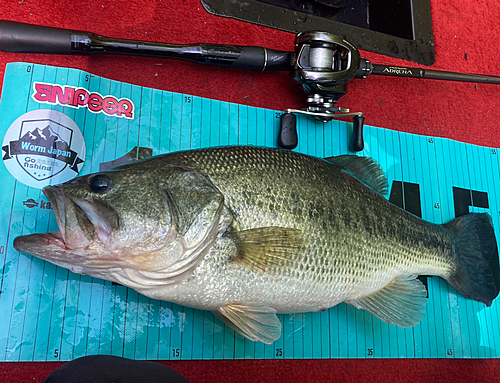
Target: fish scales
column 270, row 188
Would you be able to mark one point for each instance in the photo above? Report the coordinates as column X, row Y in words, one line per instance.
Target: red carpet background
column 466, row 36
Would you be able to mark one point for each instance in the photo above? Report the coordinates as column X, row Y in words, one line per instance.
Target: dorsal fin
column 365, row 169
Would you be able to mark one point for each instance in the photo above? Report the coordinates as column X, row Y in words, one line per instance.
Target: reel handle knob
column 357, row 144
column 287, row 135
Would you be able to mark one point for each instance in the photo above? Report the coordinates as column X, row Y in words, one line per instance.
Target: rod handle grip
column 18, row 37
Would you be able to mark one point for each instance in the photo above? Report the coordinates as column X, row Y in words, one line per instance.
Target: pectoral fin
column 266, row 248
column 401, row 302
column 257, row 323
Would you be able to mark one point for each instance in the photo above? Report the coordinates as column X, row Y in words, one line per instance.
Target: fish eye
column 99, row 183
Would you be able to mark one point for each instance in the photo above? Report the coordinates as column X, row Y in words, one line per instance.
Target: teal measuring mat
column 48, row 313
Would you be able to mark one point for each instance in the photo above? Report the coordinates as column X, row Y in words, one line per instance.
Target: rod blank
column 387, row 70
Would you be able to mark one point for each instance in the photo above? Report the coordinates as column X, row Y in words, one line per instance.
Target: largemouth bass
column 251, row 232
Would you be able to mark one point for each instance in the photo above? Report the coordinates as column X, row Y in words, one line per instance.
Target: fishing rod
column 322, row 62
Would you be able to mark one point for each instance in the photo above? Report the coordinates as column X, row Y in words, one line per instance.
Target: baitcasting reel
column 322, row 62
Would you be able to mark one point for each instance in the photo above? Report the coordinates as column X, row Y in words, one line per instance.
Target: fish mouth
column 76, row 230
column 38, row 244
column 75, row 227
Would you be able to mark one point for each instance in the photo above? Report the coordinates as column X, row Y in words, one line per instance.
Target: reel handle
column 288, row 138
column 357, row 143
column 287, row 135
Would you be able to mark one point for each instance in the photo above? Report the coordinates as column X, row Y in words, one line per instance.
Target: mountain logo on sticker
column 48, row 148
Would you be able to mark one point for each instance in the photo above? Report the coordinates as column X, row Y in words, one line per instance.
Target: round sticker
column 43, row 147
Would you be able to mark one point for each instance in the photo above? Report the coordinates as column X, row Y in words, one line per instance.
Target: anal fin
column 257, row 323
column 401, row 302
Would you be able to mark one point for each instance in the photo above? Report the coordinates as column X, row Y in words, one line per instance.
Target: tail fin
column 477, row 275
